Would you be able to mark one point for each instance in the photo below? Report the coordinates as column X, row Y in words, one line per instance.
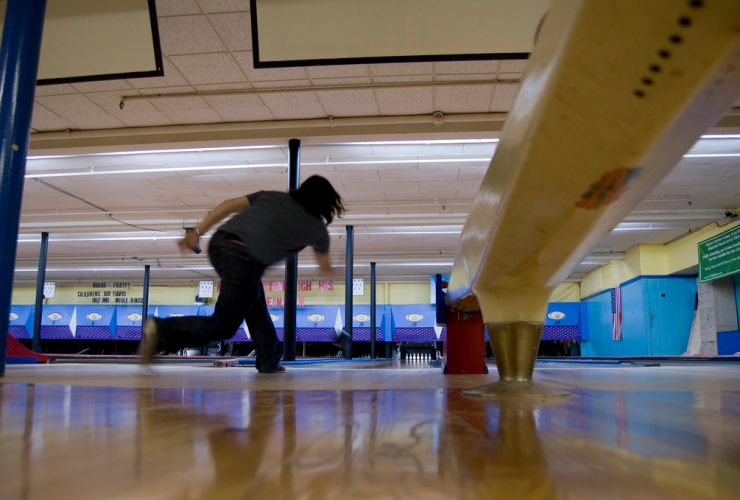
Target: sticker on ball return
column 316, row 318
column 94, row 316
column 13, row 316
column 134, row 317
column 556, row 315
column 362, row 318
column 54, row 317
column 274, row 317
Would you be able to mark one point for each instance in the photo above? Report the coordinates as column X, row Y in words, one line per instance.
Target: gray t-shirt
column 274, row 225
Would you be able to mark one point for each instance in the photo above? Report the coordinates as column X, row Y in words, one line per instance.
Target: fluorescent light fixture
column 721, row 136
column 43, row 175
column 157, row 151
column 411, row 143
column 126, row 238
column 398, row 232
column 270, row 146
column 79, row 269
column 718, row 155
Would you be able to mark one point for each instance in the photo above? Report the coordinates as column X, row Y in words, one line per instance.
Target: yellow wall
column 567, row 292
column 679, row 256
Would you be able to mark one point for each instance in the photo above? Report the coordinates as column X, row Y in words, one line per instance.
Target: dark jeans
column 242, row 297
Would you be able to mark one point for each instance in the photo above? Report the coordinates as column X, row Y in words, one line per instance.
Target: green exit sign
column 719, row 256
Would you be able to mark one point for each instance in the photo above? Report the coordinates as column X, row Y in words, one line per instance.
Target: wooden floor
column 374, row 430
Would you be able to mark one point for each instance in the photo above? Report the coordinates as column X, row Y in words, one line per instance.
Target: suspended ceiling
column 370, row 129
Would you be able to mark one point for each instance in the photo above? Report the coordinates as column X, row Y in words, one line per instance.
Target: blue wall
column 736, row 278
column 657, row 312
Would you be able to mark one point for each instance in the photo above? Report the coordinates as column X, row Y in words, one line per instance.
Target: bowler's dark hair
column 319, row 198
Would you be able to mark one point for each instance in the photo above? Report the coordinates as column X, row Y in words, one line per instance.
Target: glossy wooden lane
column 78, row 431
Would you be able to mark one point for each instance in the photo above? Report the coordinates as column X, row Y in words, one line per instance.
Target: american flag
column 617, row 313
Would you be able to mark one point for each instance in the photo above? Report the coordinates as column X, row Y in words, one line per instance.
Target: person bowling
column 267, row 227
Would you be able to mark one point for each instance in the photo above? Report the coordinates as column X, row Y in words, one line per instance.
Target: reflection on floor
column 107, row 431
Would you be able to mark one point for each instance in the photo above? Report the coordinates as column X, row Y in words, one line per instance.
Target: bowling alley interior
column 534, row 288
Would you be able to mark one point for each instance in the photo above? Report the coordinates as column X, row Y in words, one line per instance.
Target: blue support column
column 372, row 310
column 19, row 62
column 291, row 263
column 40, row 278
column 348, row 298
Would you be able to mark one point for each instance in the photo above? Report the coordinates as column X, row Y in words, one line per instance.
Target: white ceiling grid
column 207, row 52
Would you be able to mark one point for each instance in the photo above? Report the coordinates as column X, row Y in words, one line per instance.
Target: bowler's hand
column 190, row 241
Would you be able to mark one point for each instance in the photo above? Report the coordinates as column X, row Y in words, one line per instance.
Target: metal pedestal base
column 506, row 389
column 515, row 347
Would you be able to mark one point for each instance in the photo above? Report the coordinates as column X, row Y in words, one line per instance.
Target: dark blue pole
column 19, row 62
column 40, row 278
column 372, row 310
column 291, row 263
column 348, row 313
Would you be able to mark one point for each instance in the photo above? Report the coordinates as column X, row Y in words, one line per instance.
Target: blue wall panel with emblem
column 58, row 322
column 21, row 321
column 173, row 311
column 563, row 321
column 414, row 323
column 361, row 322
column 96, row 322
column 128, row 322
column 316, row 323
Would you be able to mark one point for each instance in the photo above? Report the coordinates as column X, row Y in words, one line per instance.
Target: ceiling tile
column 44, row 120
column 510, row 77
column 463, row 99
column 187, row 110
column 396, row 69
column 293, row 105
column 246, row 62
column 361, row 197
column 217, row 87
column 209, row 68
column 420, row 174
column 103, row 86
column 235, row 29
column 503, row 96
column 462, row 67
column 196, row 181
column 55, row 89
column 513, row 66
column 283, row 84
column 449, row 185
column 403, row 79
column 224, row 5
column 348, row 102
column 135, row 113
column 80, row 110
column 177, row 8
column 171, row 78
column 239, row 107
column 222, row 193
column 489, row 77
column 188, row 35
column 341, row 71
column 386, row 187
column 430, row 196
column 339, row 82
column 472, row 173
column 405, row 101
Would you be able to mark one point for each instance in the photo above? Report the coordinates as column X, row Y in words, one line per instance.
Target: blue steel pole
column 348, row 313
column 19, row 62
column 372, row 310
column 291, row 263
column 40, row 278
